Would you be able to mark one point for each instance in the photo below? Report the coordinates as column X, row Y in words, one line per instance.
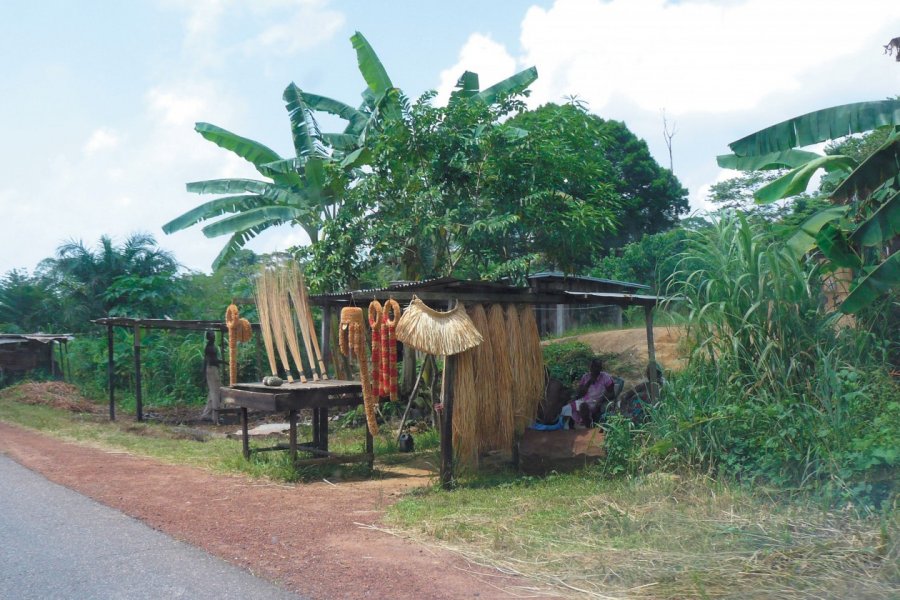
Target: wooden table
column 290, row 398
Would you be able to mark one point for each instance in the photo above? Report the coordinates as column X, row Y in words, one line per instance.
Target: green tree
column 28, row 303
column 652, row 198
column 136, row 279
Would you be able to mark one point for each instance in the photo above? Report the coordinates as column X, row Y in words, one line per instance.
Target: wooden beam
column 138, row 392
column 110, row 372
column 651, row 353
column 447, row 419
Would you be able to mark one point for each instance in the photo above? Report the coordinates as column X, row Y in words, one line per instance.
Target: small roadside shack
column 551, row 290
column 23, row 352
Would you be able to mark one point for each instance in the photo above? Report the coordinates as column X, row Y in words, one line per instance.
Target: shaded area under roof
column 448, row 288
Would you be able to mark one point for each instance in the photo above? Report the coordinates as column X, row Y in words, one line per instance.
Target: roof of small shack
column 44, row 338
column 449, row 289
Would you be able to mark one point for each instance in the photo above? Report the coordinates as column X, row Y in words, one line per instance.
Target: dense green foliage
column 776, row 386
column 567, row 361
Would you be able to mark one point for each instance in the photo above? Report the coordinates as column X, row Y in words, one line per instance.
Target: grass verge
column 658, row 536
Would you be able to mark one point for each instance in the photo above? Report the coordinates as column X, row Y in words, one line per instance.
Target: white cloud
column 103, row 138
column 310, row 24
column 691, row 56
column 482, row 55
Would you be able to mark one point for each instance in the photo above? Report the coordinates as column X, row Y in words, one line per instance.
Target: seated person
column 596, row 389
column 635, row 402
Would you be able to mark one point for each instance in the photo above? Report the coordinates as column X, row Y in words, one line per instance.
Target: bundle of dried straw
column 261, row 294
column 532, row 364
column 434, row 332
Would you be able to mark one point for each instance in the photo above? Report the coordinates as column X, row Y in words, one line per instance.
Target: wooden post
column 110, row 372
column 138, row 396
column 447, row 420
column 370, row 448
column 292, row 420
column 52, row 362
column 326, row 336
column 62, row 364
column 651, row 353
column 323, row 428
column 245, row 435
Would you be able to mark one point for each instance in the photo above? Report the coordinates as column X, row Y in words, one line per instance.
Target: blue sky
column 98, row 98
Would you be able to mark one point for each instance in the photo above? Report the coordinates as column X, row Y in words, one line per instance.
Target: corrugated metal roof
column 561, row 275
column 44, row 338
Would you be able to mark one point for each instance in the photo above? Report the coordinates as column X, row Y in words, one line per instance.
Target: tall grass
column 775, row 387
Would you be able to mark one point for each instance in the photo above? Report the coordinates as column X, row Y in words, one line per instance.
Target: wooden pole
column 110, row 372
column 447, row 420
column 651, row 353
column 326, row 336
column 138, row 396
column 412, row 394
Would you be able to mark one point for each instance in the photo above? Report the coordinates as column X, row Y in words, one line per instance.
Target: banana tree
column 297, row 192
column 383, row 101
column 861, row 231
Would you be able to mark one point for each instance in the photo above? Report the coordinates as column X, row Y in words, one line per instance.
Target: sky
column 98, row 99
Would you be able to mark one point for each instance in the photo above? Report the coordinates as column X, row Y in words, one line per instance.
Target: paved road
column 56, row 543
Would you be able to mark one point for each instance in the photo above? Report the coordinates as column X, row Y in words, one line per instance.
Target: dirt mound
column 630, row 346
column 56, row 394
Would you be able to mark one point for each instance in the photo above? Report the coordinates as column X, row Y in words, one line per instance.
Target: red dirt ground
column 315, row 539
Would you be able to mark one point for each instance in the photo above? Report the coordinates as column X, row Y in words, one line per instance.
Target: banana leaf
column 796, row 181
column 832, row 242
column 787, row 159
column 334, row 107
column 212, row 209
column 248, row 149
column 228, row 186
column 883, row 278
column 877, row 168
column 804, row 239
column 881, row 226
column 370, row 66
column 304, row 129
column 466, row 86
column 511, row 85
column 819, row 126
column 263, row 215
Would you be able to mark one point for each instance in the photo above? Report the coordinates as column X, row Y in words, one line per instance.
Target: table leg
column 245, row 436
column 323, row 429
column 316, row 438
column 370, row 448
column 293, row 422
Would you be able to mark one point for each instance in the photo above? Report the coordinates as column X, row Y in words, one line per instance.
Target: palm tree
column 134, row 278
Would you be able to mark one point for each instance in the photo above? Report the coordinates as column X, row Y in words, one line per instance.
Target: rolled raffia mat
column 533, row 359
column 390, row 315
column 288, row 329
column 261, row 293
column 504, row 432
column 466, row 413
column 517, row 366
column 353, row 343
column 434, row 332
column 232, row 322
column 374, row 315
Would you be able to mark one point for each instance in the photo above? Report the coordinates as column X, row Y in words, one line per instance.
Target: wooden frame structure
column 440, row 293
column 136, row 325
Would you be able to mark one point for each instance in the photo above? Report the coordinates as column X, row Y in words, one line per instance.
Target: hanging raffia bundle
column 518, row 366
column 466, row 415
column 434, row 332
column 268, row 285
column 353, row 343
column 533, row 360
column 484, row 412
column 504, row 427
column 288, row 328
column 265, row 323
column 232, row 322
column 374, row 315
column 390, row 315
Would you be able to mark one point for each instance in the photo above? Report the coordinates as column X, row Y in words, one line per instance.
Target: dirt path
column 316, row 539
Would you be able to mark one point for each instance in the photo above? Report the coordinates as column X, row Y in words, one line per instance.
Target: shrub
column 567, row 361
